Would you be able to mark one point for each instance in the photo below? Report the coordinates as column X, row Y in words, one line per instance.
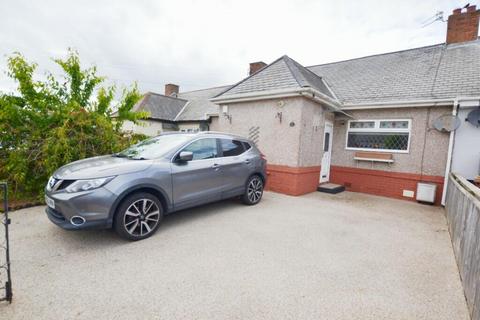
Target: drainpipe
column 449, row 155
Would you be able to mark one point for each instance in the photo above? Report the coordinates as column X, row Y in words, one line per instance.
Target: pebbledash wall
column 289, row 131
column 425, row 161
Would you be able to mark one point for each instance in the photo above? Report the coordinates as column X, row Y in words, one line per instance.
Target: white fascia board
column 207, row 116
column 319, row 96
column 469, row 102
column 268, row 94
column 464, row 101
column 307, row 92
column 399, row 104
column 324, row 100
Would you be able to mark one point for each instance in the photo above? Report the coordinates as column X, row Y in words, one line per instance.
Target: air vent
column 254, row 134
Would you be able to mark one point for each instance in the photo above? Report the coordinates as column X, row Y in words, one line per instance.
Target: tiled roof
column 199, row 105
column 283, row 73
column 433, row 72
column 159, row 106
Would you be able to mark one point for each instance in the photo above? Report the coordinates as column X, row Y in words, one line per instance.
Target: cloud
column 199, row 44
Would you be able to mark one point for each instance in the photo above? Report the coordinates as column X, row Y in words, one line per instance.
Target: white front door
column 327, row 152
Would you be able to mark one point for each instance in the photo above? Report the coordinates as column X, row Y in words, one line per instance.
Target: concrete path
column 319, row 256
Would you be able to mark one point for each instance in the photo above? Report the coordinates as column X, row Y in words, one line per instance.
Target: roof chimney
column 255, row 66
column 171, row 90
column 463, row 25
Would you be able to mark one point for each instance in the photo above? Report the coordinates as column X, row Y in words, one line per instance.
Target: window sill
column 373, row 159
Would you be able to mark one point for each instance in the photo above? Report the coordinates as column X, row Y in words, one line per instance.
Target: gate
column 5, row 277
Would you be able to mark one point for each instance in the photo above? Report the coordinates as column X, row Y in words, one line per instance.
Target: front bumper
column 93, row 206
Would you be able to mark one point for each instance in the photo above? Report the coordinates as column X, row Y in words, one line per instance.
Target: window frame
column 182, row 148
column 377, row 129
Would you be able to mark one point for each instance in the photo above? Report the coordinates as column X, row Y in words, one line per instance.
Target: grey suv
column 132, row 190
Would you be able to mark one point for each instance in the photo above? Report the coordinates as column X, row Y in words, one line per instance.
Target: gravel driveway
column 318, row 256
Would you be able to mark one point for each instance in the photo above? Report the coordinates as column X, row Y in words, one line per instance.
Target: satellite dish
column 474, row 117
column 447, row 123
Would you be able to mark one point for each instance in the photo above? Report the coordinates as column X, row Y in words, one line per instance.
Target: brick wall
column 463, row 26
column 293, row 181
column 171, row 89
column 383, row 183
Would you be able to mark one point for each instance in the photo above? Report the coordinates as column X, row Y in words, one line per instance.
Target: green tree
column 49, row 123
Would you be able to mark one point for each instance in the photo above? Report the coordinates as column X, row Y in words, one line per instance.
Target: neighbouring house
column 366, row 123
column 176, row 111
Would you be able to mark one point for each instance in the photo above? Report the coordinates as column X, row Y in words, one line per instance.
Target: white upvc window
column 384, row 135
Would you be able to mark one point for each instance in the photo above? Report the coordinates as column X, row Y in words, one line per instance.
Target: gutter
column 407, row 103
column 268, row 94
column 399, row 104
column 307, row 92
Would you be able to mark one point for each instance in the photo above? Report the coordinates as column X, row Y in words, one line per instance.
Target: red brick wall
column 383, row 183
column 293, row 181
column 170, row 89
column 463, row 26
column 255, row 66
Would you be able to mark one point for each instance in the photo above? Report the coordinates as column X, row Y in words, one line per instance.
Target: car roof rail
column 222, row 133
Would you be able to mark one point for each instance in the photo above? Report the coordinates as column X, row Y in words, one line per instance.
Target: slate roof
column 283, row 73
column 199, row 104
column 432, row 72
column 159, row 106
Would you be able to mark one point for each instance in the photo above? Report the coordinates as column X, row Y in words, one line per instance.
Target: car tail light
column 263, row 156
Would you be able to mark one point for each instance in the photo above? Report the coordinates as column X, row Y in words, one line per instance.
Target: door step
column 330, row 188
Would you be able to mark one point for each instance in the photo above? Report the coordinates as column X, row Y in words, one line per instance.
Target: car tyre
column 253, row 190
column 138, row 217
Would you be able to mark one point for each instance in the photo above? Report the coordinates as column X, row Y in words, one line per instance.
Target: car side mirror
column 185, row 156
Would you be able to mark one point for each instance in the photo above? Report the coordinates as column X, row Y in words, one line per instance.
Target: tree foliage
column 49, row 123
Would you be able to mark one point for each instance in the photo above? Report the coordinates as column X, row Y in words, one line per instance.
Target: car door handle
column 215, row 166
column 247, row 161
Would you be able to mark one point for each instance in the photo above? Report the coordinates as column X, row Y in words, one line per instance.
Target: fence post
column 6, row 221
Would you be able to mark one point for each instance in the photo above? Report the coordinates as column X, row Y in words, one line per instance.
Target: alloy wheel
column 141, row 217
column 255, row 189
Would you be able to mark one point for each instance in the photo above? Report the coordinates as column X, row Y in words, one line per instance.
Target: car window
column 231, row 147
column 246, row 145
column 203, row 149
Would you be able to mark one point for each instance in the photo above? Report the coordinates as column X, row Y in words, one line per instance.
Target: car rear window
column 246, row 145
column 231, row 147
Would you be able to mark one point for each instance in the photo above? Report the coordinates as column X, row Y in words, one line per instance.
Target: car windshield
column 154, row 147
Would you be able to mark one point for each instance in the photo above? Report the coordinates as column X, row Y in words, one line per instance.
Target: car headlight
column 90, row 184
column 51, row 183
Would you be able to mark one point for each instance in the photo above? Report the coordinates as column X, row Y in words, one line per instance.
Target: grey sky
column 199, row 44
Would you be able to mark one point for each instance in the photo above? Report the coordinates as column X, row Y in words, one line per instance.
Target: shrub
column 49, row 123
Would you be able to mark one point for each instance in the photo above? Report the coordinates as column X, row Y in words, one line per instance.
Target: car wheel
column 138, row 217
column 253, row 190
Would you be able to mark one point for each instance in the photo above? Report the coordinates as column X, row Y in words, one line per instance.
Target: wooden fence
column 463, row 217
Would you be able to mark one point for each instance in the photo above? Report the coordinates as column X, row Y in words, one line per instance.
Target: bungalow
column 176, row 111
column 366, row 124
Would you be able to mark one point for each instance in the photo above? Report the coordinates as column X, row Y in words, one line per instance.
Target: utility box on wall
column 426, row 192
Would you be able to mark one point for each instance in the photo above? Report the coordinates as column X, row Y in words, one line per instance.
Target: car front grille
column 64, row 184
column 58, row 184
